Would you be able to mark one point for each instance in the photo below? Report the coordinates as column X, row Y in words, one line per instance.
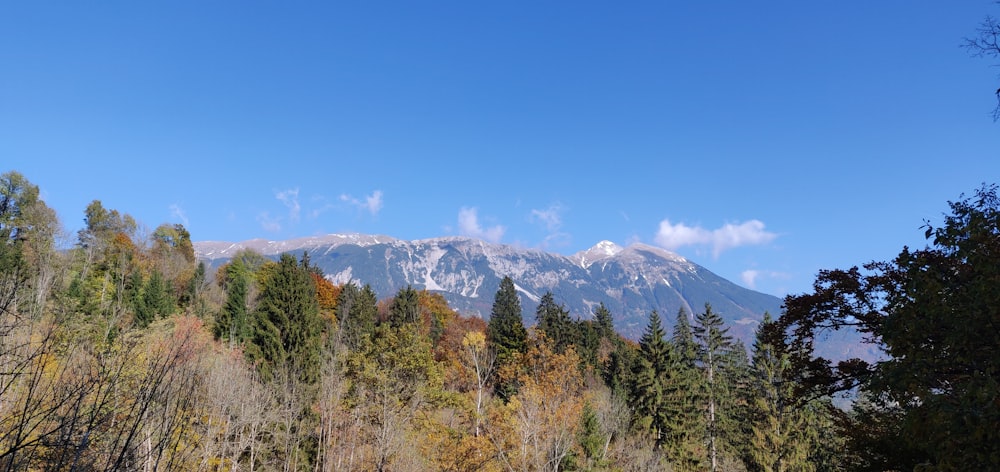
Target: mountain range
column 631, row 281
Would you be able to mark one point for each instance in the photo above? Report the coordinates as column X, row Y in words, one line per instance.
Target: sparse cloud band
column 372, row 203
column 749, row 233
column 177, row 212
column 468, row 225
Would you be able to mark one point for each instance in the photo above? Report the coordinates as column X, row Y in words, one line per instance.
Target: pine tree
column 779, row 440
column 506, row 332
column 405, row 307
column 232, row 322
column 604, row 321
column 683, row 339
column 590, row 439
column 133, row 293
column 618, row 370
column 190, row 295
column 714, row 344
column 288, row 327
column 156, row 300
column 651, row 374
column 684, row 398
column 554, row 320
column 356, row 312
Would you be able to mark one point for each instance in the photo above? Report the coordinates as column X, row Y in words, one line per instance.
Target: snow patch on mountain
column 431, row 261
column 341, row 277
column 600, row 251
column 531, row 296
column 221, row 249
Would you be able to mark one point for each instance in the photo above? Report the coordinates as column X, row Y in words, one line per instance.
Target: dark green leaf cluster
column 932, row 401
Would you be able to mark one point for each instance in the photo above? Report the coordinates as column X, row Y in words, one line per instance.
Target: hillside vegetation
column 122, row 353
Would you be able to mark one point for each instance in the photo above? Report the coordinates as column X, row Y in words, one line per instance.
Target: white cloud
column 551, row 217
column 177, row 212
column 749, row 277
column 371, row 203
column 268, row 223
column 673, row 236
column 290, row 198
column 750, row 233
column 468, row 225
column 374, row 202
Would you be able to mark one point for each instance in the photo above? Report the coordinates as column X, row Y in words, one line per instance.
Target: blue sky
column 762, row 140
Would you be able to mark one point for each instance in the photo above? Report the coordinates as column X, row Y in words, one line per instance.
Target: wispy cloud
column 372, row 203
column 177, row 212
column 751, row 276
column 551, row 219
column 749, row 233
column 290, row 198
column 268, row 222
column 468, row 225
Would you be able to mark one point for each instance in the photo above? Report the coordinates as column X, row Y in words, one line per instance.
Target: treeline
column 122, row 353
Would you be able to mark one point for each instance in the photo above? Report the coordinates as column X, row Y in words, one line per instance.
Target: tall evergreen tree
column 779, row 440
column 714, row 345
column 683, row 340
column 156, row 300
column 506, row 332
column 650, row 378
column 133, row 293
column 554, row 320
column 232, row 322
column 190, row 296
column 604, row 321
column 405, row 307
column 684, row 398
column 356, row 310
column 288, row 326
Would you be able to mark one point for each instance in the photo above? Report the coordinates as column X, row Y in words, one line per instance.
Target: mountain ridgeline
column 630, row 281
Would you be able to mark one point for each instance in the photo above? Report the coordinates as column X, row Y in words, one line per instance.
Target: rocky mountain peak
column 601, row 250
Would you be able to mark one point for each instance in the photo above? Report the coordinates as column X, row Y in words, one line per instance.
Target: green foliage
column 232, row 322
column 779, row 439
column 405, row 307
column 684, row 399
column 392, row 379
column 604, row 321
column 156, row 301
column 27, row 233
column 287, row 327
column 591, row 440
column 505, row 331
column 102, row 225
column 174, row 238
column 715, row 356
column 930, row 310
column 190, row 297
column 617, row 371
column 683, row 340
column 356, row 312
column 554, row 320
column 651, row 375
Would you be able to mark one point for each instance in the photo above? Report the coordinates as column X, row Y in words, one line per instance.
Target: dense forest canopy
column 122, row 353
